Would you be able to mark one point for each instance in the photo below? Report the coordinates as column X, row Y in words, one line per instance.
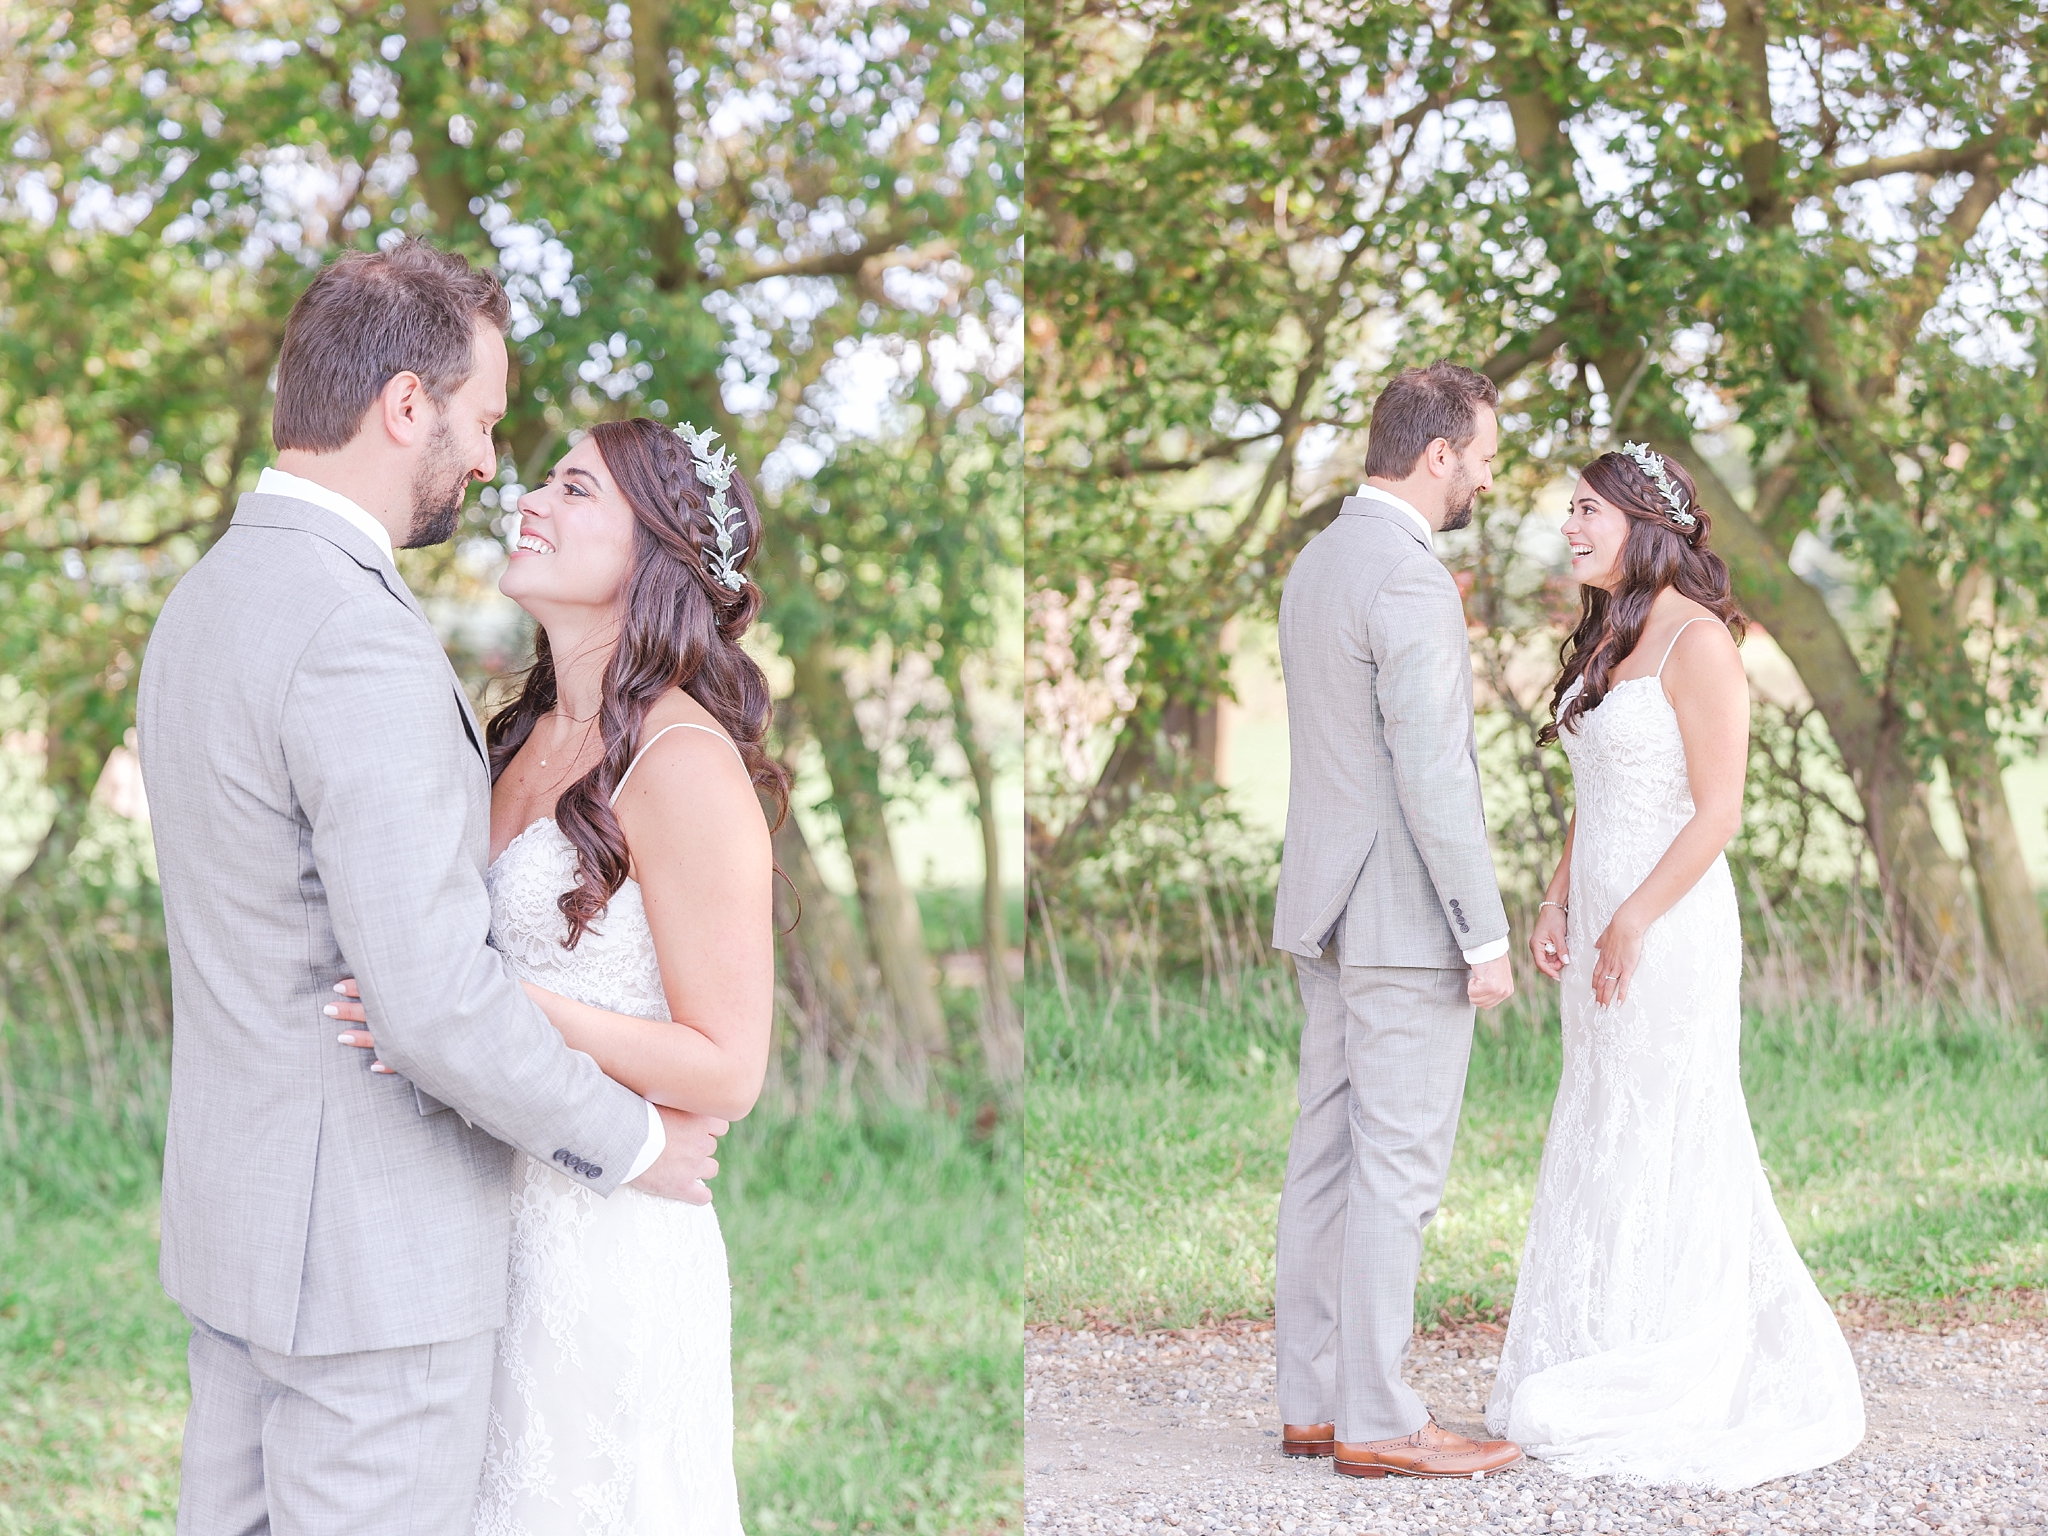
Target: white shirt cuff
column 657, row 1139
column 1486, row 952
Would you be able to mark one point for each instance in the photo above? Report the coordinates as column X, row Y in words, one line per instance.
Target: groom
column 1388, row 903
column 320, row 800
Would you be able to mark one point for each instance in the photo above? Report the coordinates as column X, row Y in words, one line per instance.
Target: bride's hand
column 1617, row 952
column 1546, row 942
column 350, row 1011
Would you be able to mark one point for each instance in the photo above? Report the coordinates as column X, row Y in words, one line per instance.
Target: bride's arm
column 700, row 851
column 1710, row 696
column 1547, row 935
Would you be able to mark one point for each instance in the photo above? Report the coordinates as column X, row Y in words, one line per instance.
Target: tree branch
column 97, row 541
column 1935, row 259
column 867, row 262
column 1921, row 162
column 1519, row 354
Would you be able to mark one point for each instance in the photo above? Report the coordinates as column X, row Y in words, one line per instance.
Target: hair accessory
column 715, row 468
column 1651, row 463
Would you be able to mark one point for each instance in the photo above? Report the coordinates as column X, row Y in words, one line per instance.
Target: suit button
column 597, row 1173
column 561, row 1154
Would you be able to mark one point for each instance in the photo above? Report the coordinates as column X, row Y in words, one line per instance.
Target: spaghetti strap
column 1696, row 619
column 681, row 725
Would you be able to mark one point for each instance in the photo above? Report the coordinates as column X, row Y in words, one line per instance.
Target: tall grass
column 1908, row 1151
column 84, row 1048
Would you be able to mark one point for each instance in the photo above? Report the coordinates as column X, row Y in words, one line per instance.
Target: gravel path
column 1153, row 1434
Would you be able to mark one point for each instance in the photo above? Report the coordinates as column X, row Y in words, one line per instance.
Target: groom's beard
column 1459, row 500
column 438, row 488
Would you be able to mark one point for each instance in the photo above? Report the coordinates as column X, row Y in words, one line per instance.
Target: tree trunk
column 654, row 98
column 823, row 968
column 2012, row 912
column 421, row 73
column 889, row 910
column 81, row 728
column 1932, row 623
column 1172, row 749
column 1934, row 921
column 1002, row 1030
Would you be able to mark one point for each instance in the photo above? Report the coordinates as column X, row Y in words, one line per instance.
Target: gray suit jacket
column 321, row 808
column 1384, row 824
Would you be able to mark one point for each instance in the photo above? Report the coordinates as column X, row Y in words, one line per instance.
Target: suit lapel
column 262, row 511
column 1367, row 506
column 469, row 724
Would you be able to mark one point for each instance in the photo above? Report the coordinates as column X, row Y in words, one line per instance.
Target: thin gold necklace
column 557, row 713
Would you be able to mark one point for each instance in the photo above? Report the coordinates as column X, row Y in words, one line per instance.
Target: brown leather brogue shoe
column 1429, row 1452
column 1308, row 1439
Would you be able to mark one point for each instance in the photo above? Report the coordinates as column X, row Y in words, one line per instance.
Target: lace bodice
column 611, row 1410
column 612, row 966
column 1633, row 793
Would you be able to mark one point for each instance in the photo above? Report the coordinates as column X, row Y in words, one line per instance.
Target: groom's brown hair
column 365, row 319
column 1420, row 406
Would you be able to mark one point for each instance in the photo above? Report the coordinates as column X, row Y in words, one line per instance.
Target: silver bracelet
column 1557, row 904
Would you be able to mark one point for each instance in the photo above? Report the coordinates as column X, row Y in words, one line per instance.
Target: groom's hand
column 687, row 1160
column 1491, row 983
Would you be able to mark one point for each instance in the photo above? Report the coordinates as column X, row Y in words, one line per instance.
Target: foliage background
column 1797, row 247
column 794, row 222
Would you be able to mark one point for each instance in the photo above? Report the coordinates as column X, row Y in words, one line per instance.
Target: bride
column 630, row 890
column 1664, row 1329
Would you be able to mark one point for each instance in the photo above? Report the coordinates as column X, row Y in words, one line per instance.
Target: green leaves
column 1243, row 220
column 727, row 215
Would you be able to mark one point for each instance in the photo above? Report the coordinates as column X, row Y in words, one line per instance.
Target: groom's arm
column 1416, row 630
column 381, row 765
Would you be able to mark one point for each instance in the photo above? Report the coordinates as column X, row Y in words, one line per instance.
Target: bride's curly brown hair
column 678, row 628
column 1656, row 554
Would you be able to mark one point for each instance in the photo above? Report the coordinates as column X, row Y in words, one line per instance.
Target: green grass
column 876, row 1351
column 952, row 917
column 1910, row 1160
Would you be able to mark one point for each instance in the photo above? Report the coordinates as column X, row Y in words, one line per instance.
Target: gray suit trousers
column 1383, row 1058
column 382, row 1442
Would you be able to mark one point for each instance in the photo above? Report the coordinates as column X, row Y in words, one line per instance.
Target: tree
column 1763, row 243
column 715, row 213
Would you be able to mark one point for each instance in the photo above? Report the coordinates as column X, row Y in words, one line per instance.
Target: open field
column 876, row 1270
column 1910, row 1159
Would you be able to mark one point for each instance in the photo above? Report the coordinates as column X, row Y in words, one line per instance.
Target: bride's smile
column 1595, row 532
column 575, row 544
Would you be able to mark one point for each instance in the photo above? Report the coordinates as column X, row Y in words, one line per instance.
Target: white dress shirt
column 1374, row 493
column 275, row 482
column 1498, row 947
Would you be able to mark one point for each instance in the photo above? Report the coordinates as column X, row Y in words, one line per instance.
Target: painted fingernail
column 345, row 1039
column 331, row 1011
column 378, row 1066
column 341, row 989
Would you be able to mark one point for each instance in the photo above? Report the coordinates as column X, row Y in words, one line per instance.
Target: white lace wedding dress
column 611, row 1412
column 1664, row 1328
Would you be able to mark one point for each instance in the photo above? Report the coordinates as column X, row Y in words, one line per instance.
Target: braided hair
column 679, row 628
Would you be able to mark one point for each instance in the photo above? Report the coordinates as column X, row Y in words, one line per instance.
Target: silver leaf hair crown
column 715, row 468
column 1651, row 463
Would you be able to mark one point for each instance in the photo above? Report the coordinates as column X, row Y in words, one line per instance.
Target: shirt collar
column 275, row 482
column 1374, row 493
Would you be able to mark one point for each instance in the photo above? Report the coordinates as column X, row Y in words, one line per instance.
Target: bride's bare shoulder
column 687, row 791
column 1698, row 653
column 682, row 740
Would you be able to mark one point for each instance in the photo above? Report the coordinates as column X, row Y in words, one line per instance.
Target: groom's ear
column 402, row 407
